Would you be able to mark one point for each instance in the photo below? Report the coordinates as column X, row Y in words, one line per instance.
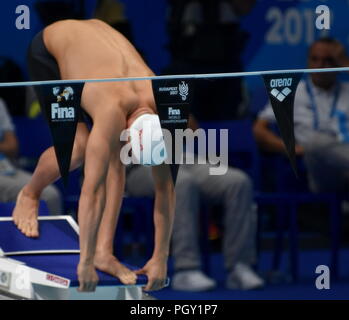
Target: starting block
column 45, row 267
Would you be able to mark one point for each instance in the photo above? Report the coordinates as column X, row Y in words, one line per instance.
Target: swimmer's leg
column 104, row 258
column 46, row 172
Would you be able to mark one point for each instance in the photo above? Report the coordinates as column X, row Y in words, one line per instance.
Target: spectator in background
column 205, row 37
column 321, row 116
column 12, row 179
column 194, row 185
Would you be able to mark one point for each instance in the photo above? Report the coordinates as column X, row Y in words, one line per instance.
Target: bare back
column 90, row 49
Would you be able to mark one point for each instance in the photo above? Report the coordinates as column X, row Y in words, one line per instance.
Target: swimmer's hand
column 87, row 277
column 156, row 271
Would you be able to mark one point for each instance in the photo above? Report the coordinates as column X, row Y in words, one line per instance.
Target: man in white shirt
column 321, row 117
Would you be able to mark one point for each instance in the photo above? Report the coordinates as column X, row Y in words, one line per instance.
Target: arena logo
column 277, row 83
column 284, row 83
column 59, row 113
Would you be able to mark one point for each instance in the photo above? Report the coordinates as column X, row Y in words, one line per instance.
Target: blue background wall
column 147, row 18
column 280, row 30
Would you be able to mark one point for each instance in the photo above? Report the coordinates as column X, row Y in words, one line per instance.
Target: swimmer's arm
column 163, row 209
column 156, row 267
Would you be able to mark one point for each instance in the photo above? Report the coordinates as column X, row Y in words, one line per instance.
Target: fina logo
column 62, row 113
column 277, row 83
column 66, row 95
column 183, row 90
column 174, row 112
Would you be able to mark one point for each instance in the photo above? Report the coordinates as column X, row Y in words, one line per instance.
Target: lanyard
column 314, row 106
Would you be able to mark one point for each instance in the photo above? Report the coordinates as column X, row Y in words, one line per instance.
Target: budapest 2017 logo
column 183, row 90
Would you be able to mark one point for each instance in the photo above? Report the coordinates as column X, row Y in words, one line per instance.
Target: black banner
column 62, row 109
column 173, row 99
column 188, row 308
column 281, row 90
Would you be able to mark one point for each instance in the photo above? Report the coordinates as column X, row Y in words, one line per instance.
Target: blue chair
column 244, row 154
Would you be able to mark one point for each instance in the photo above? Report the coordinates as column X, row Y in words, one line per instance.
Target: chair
column 243, row 153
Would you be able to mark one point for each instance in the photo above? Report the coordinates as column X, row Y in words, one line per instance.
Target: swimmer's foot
column 111, row 265
column 25, row 214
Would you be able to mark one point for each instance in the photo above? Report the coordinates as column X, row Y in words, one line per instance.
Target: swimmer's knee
column 93, row 191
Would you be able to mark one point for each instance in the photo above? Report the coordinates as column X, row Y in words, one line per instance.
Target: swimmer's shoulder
column 62, row 24
column 65, row 30
column 71, row 25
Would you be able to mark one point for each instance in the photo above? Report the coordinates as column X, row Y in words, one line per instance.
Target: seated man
column 12, row 179
column 72, row 49
column 321, row 116
column 234, row 191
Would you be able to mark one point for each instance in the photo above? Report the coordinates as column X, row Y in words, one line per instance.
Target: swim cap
column 147, row 142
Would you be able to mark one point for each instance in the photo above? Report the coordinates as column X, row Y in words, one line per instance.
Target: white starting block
column 45, row 268
column 20, row 281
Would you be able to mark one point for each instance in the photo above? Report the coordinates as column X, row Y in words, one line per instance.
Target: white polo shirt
column 323, row 113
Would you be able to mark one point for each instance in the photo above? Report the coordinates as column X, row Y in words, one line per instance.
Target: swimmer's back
column 92, row 49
